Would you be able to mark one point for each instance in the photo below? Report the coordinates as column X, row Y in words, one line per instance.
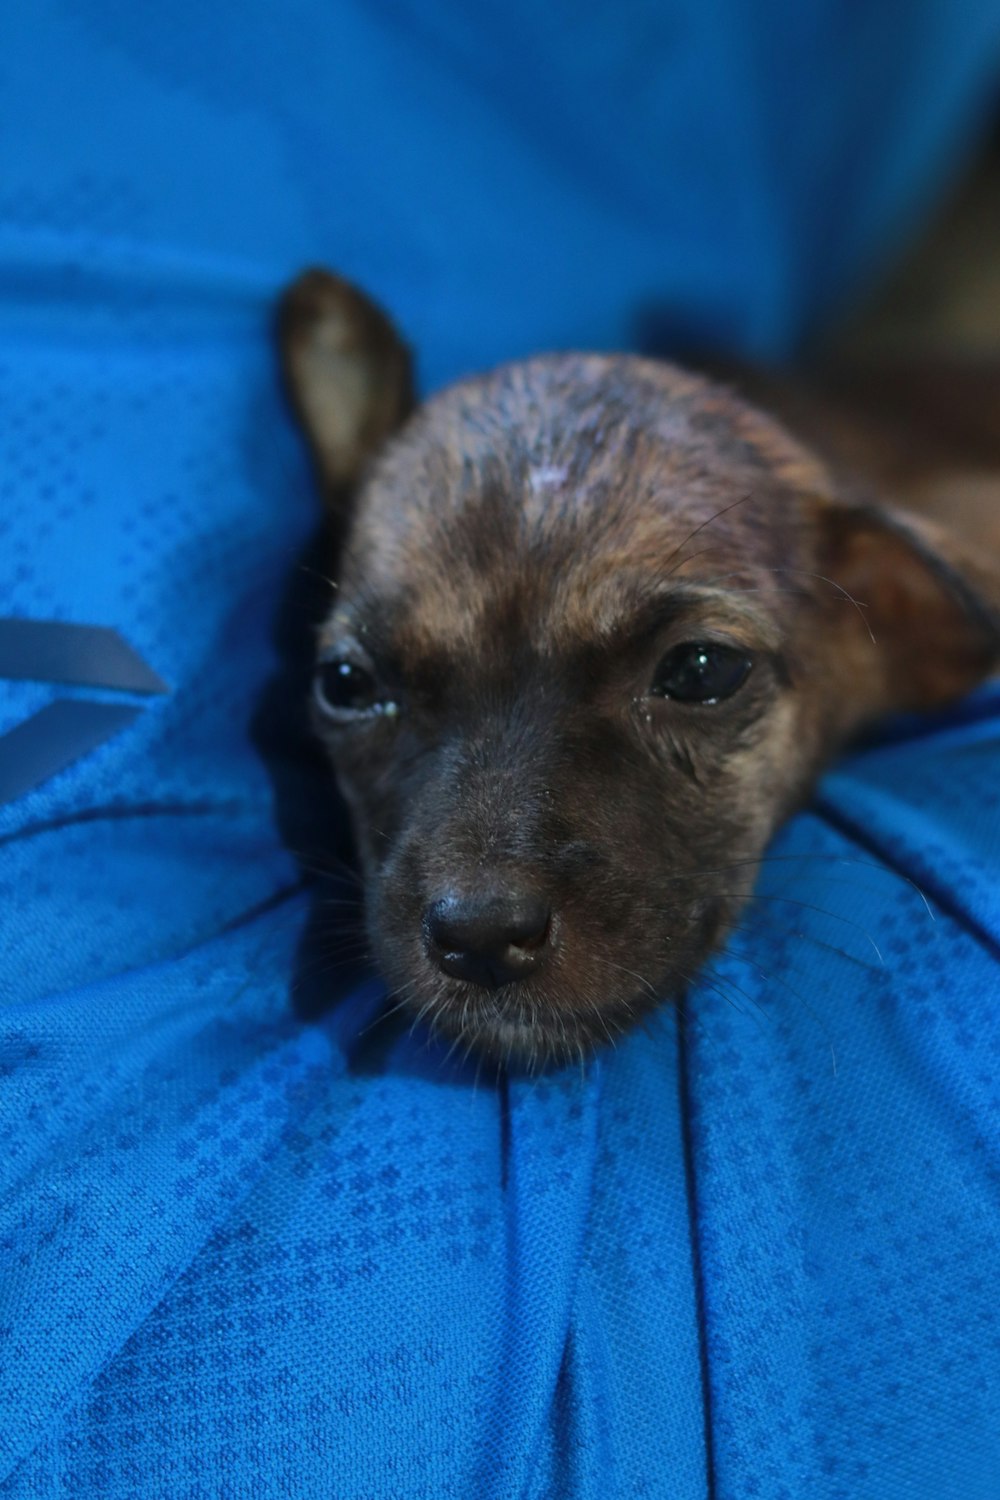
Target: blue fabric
column 249, row 1249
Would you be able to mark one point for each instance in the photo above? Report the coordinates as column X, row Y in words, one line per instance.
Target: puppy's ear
column 348, row 373
column 930, row 605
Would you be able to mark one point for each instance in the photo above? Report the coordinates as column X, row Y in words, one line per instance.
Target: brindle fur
column 515, row 560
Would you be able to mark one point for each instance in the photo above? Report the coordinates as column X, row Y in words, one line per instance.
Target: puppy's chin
column 525, row 1024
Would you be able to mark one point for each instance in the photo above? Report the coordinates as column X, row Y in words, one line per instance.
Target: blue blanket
column 255, row 1245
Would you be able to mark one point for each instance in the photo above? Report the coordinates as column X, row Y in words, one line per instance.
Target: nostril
column 488, row 938
column 528, row 924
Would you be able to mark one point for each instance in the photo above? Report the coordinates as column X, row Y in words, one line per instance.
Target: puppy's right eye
column 345, row 689
column 701, row 672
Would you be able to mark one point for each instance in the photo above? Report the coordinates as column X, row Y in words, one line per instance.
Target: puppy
column 598, row 623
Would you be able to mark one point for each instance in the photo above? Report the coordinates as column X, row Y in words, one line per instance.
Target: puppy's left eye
column 345, row 690
column 701, row 672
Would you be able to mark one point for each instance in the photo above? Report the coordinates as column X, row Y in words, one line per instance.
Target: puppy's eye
column 701, row 672
column 344, row 689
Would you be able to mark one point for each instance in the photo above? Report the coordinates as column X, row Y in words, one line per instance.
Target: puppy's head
column 597, row 625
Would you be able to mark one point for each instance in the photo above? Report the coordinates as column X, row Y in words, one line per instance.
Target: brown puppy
column 598, row 624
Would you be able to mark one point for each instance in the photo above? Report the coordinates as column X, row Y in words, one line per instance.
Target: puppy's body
column 598, row 625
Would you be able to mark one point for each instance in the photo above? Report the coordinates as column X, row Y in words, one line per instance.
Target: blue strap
column 86, row 655
column 53, row 738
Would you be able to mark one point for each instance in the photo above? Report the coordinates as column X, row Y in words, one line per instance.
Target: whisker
column 775, row 859
column 610, row 963
column 810, row 906
column 809, row 937
column 333, row 869
column 766, row 974
column 315, row 573
column 401, row 998
column 788, row 900
column 694, row 980
column 717, row 516
column 804, row 572
column 726, row 979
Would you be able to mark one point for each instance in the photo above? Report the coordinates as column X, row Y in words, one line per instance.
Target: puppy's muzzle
column 488, row 937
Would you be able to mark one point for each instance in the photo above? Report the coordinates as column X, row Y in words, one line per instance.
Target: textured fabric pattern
column 249, row 1247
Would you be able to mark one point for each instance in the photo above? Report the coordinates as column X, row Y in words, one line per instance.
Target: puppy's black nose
column 490, row 938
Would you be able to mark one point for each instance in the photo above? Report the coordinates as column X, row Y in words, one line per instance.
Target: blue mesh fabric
column 248, row 1250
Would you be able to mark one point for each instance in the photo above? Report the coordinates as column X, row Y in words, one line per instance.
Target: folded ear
column 348, row 373
column 930, row 603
